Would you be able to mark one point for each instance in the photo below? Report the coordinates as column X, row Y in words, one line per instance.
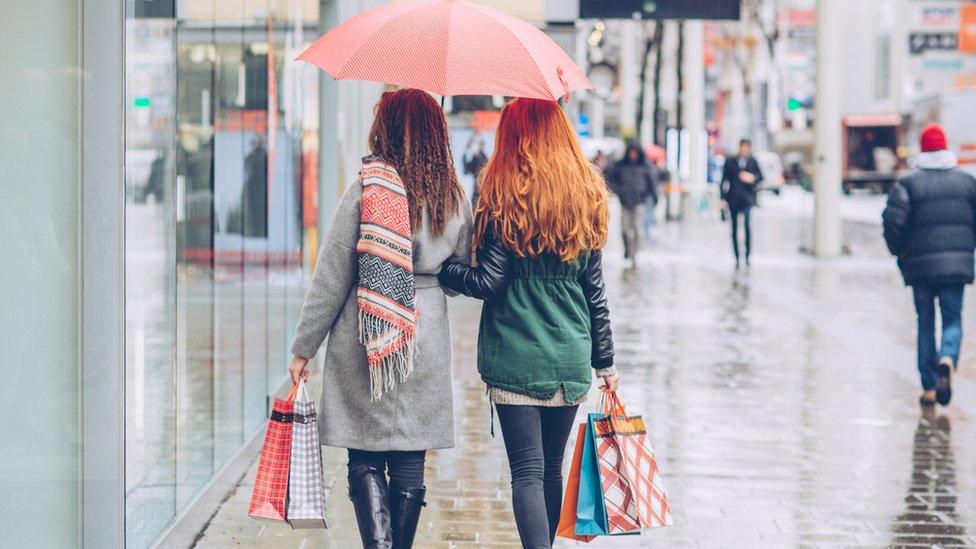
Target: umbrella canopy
column 449, row 47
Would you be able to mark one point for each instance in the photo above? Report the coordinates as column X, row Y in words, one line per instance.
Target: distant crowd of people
column 634, row 179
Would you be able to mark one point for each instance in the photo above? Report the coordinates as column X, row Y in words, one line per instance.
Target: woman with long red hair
column 540, row 225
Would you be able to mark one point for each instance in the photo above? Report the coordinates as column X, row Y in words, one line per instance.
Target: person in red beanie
column 929, row 225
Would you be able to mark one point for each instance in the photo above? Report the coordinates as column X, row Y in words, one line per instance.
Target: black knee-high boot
column 406, row 504
column 370, row 497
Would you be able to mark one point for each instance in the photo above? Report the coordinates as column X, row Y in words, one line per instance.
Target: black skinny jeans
column 747, row 222
column 406, row 469
column 535, row 439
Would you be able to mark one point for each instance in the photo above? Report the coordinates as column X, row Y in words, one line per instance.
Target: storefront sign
column 967, row 28
column 936, row 30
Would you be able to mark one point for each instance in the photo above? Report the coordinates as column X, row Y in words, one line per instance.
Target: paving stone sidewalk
column 781, row 402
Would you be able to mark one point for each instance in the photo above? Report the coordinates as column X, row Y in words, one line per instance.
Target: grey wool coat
column 418, row 413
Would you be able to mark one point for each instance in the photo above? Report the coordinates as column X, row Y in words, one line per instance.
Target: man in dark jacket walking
column 929, row 225
column 633, row 180
column 740, row 181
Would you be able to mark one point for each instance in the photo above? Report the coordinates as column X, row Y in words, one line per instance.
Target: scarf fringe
column 385, row 370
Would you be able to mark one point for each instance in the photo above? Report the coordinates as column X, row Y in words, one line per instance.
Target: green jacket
column 544, row 324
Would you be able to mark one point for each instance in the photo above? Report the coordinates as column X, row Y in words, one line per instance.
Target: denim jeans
column 535, row 439
column 950, row 305
column 747, row 224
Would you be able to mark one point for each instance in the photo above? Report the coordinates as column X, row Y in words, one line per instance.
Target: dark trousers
column 747, row 225
column 535, row 439
column 950, row 306
column 406, row 469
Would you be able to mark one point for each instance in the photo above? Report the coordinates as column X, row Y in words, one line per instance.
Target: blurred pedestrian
column 545, row 326
column 600, row 160
column 632, row 179
column 474, row 161
column 929, row 226
column 740, row 183
column 387, row 391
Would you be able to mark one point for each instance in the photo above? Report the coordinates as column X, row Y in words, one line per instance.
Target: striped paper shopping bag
column 270, row 495
column 633, row 489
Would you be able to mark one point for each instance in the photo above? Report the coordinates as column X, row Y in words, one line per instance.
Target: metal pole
column 693, row 100
column 328, row 192
column 827, row 182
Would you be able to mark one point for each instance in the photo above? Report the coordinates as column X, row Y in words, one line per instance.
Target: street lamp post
column 827, row 184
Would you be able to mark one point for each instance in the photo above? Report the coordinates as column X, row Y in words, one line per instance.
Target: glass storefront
column 40, row 149
column 220, row 148
column 159, row 211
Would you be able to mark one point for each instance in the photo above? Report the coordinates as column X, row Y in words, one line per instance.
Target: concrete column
column 693, row 99
column 827, row 179
column 629, row 72
column 596, row 116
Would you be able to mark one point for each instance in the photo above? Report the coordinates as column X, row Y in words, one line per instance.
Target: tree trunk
column 679, row 115
column 649, row 44
column 658, row 64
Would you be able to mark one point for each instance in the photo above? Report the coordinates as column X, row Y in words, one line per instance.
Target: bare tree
column 741, row 40
column 651, row 44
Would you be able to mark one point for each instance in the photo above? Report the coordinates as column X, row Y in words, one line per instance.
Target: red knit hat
column 933, row 139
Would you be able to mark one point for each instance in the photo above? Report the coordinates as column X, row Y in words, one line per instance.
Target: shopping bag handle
column 612, row 406
column 292, row 393
column 301, row 395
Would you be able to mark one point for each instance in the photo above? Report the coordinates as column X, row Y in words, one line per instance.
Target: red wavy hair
column 539, row 188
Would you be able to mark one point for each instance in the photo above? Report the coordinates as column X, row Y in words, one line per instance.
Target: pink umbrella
column 449, row 47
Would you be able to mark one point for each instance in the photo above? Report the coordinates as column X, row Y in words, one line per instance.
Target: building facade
column 166, row 170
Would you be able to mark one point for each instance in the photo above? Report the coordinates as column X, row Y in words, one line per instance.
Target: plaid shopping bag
column 306, row 495
column 271, row 485
column 633, row 488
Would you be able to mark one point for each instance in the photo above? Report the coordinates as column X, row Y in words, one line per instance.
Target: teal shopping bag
column 591, row 511
column 591, row 514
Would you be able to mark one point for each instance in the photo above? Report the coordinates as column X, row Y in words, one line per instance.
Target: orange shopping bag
column 567, row 517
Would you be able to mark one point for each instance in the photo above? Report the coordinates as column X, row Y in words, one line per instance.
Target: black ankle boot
column 406, row 503
column 370, row 498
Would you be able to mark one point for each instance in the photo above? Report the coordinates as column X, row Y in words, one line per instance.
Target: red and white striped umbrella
column 449, row 47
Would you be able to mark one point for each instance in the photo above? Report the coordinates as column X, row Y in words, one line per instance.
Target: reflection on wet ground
column 780, row 400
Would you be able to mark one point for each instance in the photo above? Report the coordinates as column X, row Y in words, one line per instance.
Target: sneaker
column 943, row 388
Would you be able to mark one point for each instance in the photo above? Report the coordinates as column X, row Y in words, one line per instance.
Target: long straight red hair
column 539, row 188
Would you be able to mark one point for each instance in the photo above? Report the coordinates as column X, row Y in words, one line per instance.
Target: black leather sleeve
column 896, row 217
column 485, row 281
column 596, row 300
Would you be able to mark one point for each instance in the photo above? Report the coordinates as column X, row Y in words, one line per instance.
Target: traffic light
column 794, row 104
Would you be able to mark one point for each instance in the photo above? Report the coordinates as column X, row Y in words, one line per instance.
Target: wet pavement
column 781, row 402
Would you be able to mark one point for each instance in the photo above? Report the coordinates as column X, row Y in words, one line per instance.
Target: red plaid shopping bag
column 633, row 489
column 270, row 493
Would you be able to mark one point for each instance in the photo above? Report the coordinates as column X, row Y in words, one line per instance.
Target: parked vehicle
column 610, row 146
column 796, row 172
column 771, row 166
column 870, row 156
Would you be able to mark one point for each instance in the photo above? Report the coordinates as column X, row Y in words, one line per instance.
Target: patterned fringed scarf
column 386, row 293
